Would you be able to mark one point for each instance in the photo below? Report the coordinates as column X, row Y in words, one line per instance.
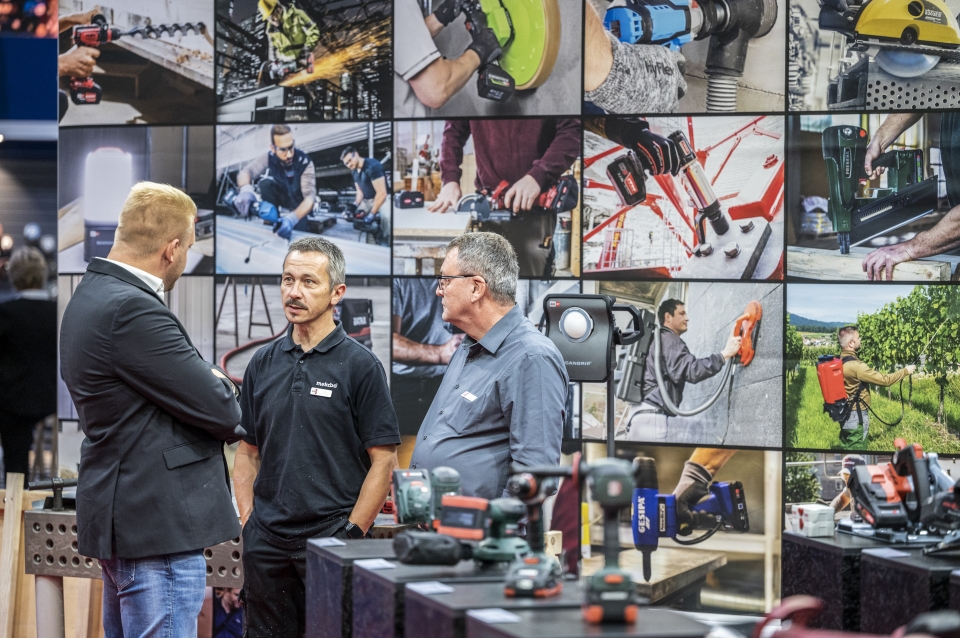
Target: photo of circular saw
column 529, row 35
column 907, row 38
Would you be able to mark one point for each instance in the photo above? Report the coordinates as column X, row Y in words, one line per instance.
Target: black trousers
column 274, row 594
column 16, row 437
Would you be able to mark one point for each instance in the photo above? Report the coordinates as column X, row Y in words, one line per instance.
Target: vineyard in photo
column 921, row 328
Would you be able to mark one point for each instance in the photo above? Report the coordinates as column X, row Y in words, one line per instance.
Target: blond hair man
column 153, row 488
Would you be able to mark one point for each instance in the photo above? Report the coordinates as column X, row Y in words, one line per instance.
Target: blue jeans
column 153, row 597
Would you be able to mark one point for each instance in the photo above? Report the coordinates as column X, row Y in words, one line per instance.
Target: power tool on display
column 489, row 206
column 99, row 32
column 859, row 213
column 536, row 574
column 417, row 495
column 656, row 515
column 468, row 528
column 610, row 593
column 627, row 176
column 909, row 500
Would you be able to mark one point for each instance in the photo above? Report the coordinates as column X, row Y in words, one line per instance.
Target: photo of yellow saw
column 529, row 35
column 907, row 38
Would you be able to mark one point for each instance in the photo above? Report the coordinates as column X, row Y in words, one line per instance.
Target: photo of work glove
column 485, row 43
column 245, row 197
column 694, row 484
column 644, row 78
column 657, row 154
column 287, row 222
column 448, row 11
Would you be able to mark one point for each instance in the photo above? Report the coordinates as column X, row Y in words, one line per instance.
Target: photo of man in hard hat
column 291, row 36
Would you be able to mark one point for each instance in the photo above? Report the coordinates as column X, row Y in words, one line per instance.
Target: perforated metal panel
column 50, row 543
column 939, row 88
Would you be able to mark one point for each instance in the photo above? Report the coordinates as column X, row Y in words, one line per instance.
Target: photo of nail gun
column 858, row 213
column 489, row 206
column 655, row 515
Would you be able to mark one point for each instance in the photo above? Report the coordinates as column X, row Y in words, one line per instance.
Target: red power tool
column 490, row 206
column 85, row 90
column 745, row 326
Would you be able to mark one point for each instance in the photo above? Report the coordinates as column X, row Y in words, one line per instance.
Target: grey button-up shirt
column 679, row 368
column 502, row 400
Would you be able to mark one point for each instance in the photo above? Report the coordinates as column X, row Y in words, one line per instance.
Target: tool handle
column 887, row 160
column 54, row 483
column 626, row 338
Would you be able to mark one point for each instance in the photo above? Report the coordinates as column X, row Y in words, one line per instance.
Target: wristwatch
column 352, row 531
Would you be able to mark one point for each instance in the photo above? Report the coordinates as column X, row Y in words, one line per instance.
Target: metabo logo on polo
column 324, row 384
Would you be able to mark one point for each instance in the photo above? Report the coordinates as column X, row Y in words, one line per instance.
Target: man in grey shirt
column 651, row 420
column 423, row 79
column 503, row 395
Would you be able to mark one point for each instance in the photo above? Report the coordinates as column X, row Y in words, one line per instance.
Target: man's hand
column 244, row 198
column 522, row 195
column 885, row 259
column 485, row 43
column 874, row 151
column 657, row 154
column 450, row 348
column 693, row 486
column 732, row 347
column 78, row 62
column 287, row 222
column 911, row 369
column 448, row 198
column 448, row 11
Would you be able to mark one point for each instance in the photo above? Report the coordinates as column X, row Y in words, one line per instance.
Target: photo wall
column 725, row 188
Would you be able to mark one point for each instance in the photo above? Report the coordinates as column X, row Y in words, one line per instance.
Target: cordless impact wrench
column 655, row 515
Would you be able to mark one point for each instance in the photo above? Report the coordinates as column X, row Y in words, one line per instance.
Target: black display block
column 329, row 583
column 378, row 594
column 445, row 613
column 895, row 588
column 569, row 623
column 828, row 568
column 955, row 589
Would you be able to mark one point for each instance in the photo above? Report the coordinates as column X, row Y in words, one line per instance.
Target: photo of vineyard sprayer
column 882, row 364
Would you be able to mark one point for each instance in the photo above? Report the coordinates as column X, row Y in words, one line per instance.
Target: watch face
column 353, row 531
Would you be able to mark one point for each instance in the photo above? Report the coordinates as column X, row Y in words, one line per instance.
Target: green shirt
column 295, row 33
column 856, row 371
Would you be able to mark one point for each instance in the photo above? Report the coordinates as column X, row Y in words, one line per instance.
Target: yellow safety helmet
column 267, row 7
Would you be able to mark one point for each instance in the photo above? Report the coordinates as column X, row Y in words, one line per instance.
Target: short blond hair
column 152, row 215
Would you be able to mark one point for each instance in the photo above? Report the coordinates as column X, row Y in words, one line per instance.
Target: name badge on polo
column 469, row 397
column 321, row 392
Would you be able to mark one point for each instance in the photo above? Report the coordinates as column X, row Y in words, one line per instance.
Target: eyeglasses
column 443, row 280
column 284, row 149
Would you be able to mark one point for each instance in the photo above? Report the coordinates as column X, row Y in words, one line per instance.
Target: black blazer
column 152, row 471
column 28, row 357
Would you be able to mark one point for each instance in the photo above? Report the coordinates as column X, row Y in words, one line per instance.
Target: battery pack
column 627, row 179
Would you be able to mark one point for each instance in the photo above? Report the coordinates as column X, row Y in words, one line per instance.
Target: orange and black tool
column 465, row 517
column 85, row 90
column 747, row 326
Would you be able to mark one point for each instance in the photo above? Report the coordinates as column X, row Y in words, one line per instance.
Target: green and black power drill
column 417, row 494
column 859, row 216
column 536, row 574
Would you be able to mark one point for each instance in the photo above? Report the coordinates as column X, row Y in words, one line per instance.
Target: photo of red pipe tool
column 683, row 198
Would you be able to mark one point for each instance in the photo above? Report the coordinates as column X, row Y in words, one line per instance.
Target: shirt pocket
column 469, row 417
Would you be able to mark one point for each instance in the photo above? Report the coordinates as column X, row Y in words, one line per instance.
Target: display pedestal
column 569, row 623
column 329, row 583
column 897, row 584
column 955, row 589
column 378, row 594
column 445, row 613
column 828, row 568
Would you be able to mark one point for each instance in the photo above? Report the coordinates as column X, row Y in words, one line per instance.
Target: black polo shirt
column 312, row 416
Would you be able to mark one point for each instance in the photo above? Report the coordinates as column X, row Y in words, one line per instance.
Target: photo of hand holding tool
column 874, row 197
column 136, row 63
column 683, row 198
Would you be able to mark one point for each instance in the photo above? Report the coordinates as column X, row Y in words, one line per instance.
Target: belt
column 649, row 410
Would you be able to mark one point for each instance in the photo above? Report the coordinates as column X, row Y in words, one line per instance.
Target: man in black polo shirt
column 321, row 443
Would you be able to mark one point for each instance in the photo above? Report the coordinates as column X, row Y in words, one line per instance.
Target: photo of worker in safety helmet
column 291, row 35
column 857, row 376
column 650, row 420
column 287, row 181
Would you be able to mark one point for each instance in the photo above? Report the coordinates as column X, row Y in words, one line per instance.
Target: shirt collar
column 334, row 338
column 153, row 282
column 495, row 337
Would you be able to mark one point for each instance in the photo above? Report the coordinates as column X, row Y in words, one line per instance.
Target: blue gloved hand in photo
column 287, row 222
column 268, row 213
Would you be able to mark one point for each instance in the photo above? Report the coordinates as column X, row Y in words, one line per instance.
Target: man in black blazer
column 153, row 488
column 28, row 358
